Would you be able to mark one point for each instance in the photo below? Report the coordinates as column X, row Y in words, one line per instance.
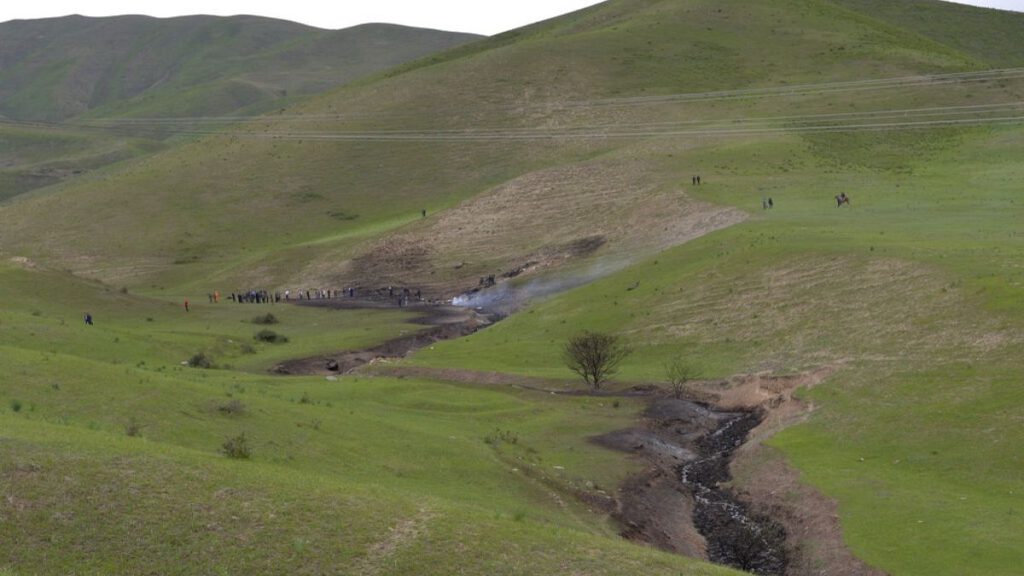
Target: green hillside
column 881, row 338
column 322, row 162
column 109, row 451
column 92, row 73
column 60, row 68
column 993, row 36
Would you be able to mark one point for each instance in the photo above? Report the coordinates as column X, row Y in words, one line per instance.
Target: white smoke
column 507, row 297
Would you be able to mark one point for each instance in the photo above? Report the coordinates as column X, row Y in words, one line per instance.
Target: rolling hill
column 879, row 341
column 57, row 74
column 529, row 113
column 61, row 68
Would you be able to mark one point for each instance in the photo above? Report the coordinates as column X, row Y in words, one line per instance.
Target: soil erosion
column 680, row 504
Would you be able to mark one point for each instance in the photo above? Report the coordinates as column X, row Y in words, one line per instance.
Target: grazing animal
column 842, row 199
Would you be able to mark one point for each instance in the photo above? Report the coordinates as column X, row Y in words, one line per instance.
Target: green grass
column 244, row 193
column 354, row 473
column 34, row 156
column 915, row 293
column 128, row 330
column 234, row 63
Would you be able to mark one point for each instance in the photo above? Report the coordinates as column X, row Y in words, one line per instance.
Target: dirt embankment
column 688, row 501
column 682, row 503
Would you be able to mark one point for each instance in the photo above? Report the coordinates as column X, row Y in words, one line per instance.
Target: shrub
column 267, row 318
column 499, row 436
column 237, row 447
column 678, row 374
column 233, row 407
column 133, row 428
column 595, row 356
column 270, row 337
column 200, row 360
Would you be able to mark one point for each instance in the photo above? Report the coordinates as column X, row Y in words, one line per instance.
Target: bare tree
column 678, row 374
column 595, row 356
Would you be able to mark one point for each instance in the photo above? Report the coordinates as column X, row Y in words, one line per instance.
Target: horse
column 842, row 199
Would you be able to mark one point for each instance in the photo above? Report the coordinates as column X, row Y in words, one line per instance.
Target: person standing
column 186, row 304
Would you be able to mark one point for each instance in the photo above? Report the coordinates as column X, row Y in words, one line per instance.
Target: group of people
column 401, row 295
column 841, row 199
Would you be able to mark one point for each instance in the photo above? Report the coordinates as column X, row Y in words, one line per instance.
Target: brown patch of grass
column 543, row 217
column 403, row 534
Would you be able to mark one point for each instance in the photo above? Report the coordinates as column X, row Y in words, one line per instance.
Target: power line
column 844, row 121
column 554, row 106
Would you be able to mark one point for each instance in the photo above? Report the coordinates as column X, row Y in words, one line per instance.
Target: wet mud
column 441, row 322
column 735, row 536
column 681, row 503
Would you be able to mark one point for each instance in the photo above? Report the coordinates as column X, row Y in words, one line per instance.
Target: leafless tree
column 595, row 356
column 678, row 374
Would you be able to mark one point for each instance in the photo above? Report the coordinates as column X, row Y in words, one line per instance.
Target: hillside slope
column 497, row 119
column 991, row 36
column 94, row 72
column 58, row 68
column 560, row 154
column 112, row 457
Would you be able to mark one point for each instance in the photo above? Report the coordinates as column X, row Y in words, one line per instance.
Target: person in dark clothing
column 88, row 319
column 771, row 204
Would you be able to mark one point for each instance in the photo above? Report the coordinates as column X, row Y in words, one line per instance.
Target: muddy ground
column 441, row 322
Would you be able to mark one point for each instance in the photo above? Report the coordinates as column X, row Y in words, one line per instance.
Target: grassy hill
column 98, row 71
column 566, row 150
column 323, row 163
column 109, row 450
column 913, row 295
column 60, row 68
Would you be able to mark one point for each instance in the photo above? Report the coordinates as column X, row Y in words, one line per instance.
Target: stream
column 690, row 443
column 735, row 536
